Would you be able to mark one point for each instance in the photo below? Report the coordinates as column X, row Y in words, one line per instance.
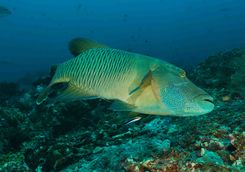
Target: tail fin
column 62, row 91
column 54, row 88
column 43, row 96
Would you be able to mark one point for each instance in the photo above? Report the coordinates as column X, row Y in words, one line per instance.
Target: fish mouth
column 205, row 102
column 209, row 100
column 204, row 98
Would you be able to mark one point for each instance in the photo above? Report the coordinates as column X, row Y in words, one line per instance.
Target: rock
column 223, row 71
column 156, row 125
column 97, row 149
column 172, row 129
column 13, row 162
column 209, row 157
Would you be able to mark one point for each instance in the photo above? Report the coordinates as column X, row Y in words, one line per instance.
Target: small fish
column 133, row 120
column 4, row 11
column 134, row 82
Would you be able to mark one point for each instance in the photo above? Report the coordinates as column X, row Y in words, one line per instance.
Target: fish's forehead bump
column 176, row 70
column 170, row 68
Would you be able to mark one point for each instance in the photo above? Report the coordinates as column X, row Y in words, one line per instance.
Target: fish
column 4, row 11
column 132, row 82
column 137, row 118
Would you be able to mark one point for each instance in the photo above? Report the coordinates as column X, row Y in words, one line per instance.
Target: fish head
column 179, row 96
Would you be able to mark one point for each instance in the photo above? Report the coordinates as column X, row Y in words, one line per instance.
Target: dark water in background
column 183, row 32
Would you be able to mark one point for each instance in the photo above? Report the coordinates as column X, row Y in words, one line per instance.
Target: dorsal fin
column 79, row 45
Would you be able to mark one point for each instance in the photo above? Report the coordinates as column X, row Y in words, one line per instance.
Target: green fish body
column 135, row 82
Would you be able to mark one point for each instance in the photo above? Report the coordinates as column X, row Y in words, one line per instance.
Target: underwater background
column 206, row 38
column 36, row 34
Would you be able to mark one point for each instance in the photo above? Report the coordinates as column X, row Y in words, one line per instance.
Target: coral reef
column 224, row 70
column 86, row 136
column 8, row 91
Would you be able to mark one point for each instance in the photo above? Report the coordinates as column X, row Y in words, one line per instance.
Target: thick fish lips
column 205, row 102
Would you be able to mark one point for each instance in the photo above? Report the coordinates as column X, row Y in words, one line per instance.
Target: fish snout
column 205, row 102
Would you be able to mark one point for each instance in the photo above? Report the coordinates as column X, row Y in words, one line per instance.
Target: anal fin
column 118, row 105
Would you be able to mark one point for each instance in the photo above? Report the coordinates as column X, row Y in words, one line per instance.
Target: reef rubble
column 86, row 136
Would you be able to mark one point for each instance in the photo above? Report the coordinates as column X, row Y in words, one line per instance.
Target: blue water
column 183, row 32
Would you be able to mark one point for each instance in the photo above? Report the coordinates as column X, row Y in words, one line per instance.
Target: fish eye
column 182, row 74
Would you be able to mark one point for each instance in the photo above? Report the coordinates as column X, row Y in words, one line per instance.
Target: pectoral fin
column 157, row 82
column 138, row 90
column 43, row 96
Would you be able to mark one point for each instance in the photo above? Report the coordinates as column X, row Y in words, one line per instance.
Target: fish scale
column 95, row 69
